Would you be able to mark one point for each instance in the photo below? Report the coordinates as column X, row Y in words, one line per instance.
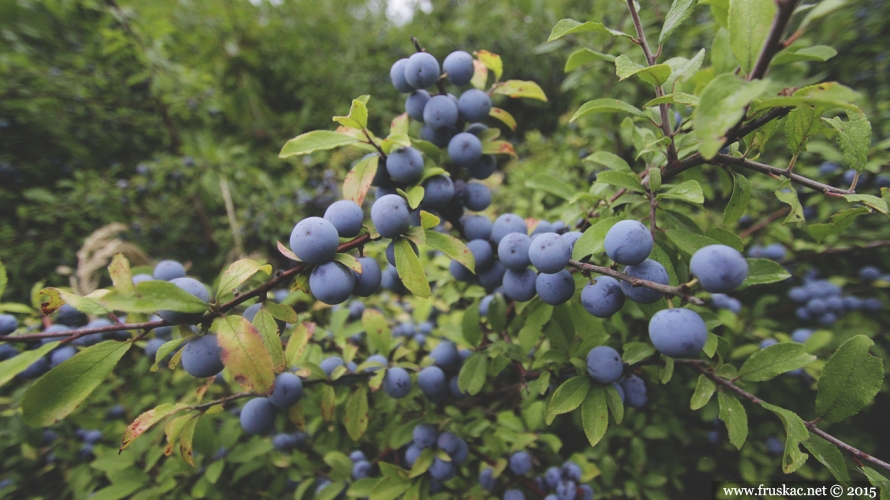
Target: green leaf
column 688, row 191
column 504, row 117
column 613, row 401
column 775, row 360
column 415, row 196
column 591, row 242
column 688, row 241
column 675, row 98
column 732, row 413
column 726, row 237
column 634, row 352
column 704, row 389
column 787, row 194
column 423, row 462
column 452, row 247
column 520, row 88
column 569, row 395
column 472, row 374
column 491, row 61
column 609, row 160
column 868, row 200
column 18, row 363
column 536, row 316
column 763, row 272
column 877, row 480
column 358, row 180
column 738, row 201
column 850, row 379
column 470, row 325
column 316, row 140
column 569, row 26
column 119, row 269
column 389, row 489
column 297, row 342
column 410, row 269
column 626, row 180
column 820, row 97
column 680, row 12
column 749, row 25
column 283, row 312
column 552, row 185
column 237, row 273
column 428, row 221
column 88, row 305
column 147, row 419
column 796, row 433
column 829, row 456
column 723, row 103
column 356, row 418
column 815, row 53
column 358, row 115
column 598, row 106
column 853, row 137
column 244, row 353
column 267, row 327
column 595, row 414
column 399, row 125
column 498, row 148
column 165, row 350
column 379, row 336
column 185, row 440
column 328, row 402
column 583, row 56
column 654, row 179
column 683, row 69
column 348, row 261
column 657, row 74
column 839, row 223
column 3, row 278
column 66, row 386
column 152, row 296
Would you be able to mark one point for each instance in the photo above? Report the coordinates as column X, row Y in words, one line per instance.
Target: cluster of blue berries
column 427, row 436
column 822, row 302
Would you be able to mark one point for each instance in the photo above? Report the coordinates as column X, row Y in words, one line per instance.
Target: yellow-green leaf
column 237, row 273
column 520, row 88
column 315, row 141
column 244, row 353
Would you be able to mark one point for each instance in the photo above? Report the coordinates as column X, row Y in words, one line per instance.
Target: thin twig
column 735, row 161
column 658, row 287
column 208, row 317
column 704, row 369
column 663, row 108
column 765, row 222
column 222, row 401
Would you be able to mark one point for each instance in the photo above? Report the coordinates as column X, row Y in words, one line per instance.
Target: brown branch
column 658, row 287
column 208, row 317
column 659, row 91
column 733, row 136
column 773, row 43
column 704, row 369
column 800, row 180
column 374, row 143
column 765, row 222
column 222, row 401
